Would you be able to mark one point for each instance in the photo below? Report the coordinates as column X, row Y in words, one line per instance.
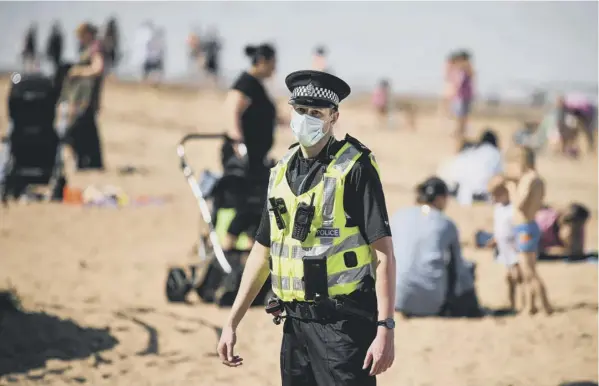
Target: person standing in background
column 380, row 102
column 153, row 70
column 252, row 119
column 461, row 94
column 29, row 53
column 319, row 60
column 445, row 107
column 194, row 46
column 211, row 49
column 55, row 46
column 111, row 44
column 526, row 189
column 84, row 132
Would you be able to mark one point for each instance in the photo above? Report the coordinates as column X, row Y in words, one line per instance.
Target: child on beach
column 504, row 238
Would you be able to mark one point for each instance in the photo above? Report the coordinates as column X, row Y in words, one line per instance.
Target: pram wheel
column 178, row 285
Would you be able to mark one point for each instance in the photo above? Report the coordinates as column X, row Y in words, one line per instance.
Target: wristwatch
column 388, row 323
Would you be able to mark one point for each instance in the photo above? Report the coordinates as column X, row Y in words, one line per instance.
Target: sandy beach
column 92, row 279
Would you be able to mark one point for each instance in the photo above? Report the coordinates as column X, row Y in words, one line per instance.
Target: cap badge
column 310, row 90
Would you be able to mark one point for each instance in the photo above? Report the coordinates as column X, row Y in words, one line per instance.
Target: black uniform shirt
column 363, row 198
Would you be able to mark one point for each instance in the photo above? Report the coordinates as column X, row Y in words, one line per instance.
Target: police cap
column 316, row 88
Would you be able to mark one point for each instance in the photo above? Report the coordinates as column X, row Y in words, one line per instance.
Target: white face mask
column 307, row 129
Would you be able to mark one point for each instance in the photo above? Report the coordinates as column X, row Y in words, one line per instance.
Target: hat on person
column 431, row 188
column 316, row 89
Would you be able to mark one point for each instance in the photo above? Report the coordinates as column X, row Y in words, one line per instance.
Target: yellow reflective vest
column 349, row 259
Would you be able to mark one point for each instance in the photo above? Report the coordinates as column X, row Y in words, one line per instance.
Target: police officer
column 324, row 238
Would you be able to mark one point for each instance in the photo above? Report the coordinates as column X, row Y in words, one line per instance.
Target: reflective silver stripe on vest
column 345, row 277
column 330, row 186
column 343, row 161
column 297, row 252
column 279, row 250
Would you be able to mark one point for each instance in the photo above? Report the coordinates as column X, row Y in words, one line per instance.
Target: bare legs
column 533, row 285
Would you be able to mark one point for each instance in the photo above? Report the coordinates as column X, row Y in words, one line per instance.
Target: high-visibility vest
column 349, row 258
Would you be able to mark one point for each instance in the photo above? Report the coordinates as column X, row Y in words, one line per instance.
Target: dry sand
column 92, row 279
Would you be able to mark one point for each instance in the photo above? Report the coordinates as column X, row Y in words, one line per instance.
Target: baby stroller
column 33, row 148
column 216, row 275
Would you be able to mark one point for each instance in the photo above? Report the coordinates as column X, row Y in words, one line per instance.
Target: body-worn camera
column 304, row 214
column 315, row 278
column 277, row 206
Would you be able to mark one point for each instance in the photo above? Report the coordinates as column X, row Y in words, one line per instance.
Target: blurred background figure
column 143, row 35
column 84, row 135
column 29, row 52
column 211, row 51
column 154, row 63
column 461, row 75
column 54, row 47
column 252, row 118
column 382, row 104
column 319, row 60
column 446, row 95
column 111, row 44
column 194, row 46
column 572, row 116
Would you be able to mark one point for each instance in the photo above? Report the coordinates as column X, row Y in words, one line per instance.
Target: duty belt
column 326, row 310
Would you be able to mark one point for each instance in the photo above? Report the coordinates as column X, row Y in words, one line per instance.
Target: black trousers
column 85, row 141
column 326, row 353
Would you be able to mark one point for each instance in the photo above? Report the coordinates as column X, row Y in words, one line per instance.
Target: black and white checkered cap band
column 311, row 91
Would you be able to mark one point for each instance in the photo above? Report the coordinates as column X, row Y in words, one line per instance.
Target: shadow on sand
column 29, row 339
column 579, row 383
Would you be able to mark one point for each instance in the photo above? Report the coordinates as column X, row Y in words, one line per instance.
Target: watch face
column 387, row 323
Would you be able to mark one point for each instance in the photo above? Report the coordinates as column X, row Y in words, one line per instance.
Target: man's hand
column 381, row 352
column 226, row 346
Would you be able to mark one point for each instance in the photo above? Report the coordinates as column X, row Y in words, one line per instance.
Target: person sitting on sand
column 562, row 231
column 470, row 171
column 527, row 190
column 503, row 239
column 432, row 276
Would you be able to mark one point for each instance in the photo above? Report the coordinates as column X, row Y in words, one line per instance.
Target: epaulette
column 293, row 145
column 359, row 145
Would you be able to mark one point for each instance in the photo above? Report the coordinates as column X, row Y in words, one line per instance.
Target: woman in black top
column 84, row 132
column 253, row 118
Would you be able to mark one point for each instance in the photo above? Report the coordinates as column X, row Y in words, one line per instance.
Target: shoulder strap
column 345, row 159
column 359, row 145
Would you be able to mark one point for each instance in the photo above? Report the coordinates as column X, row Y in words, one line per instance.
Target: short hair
column 488, row 136
column 575, row 212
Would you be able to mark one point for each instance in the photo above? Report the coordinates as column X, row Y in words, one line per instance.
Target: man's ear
column 334, row 117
